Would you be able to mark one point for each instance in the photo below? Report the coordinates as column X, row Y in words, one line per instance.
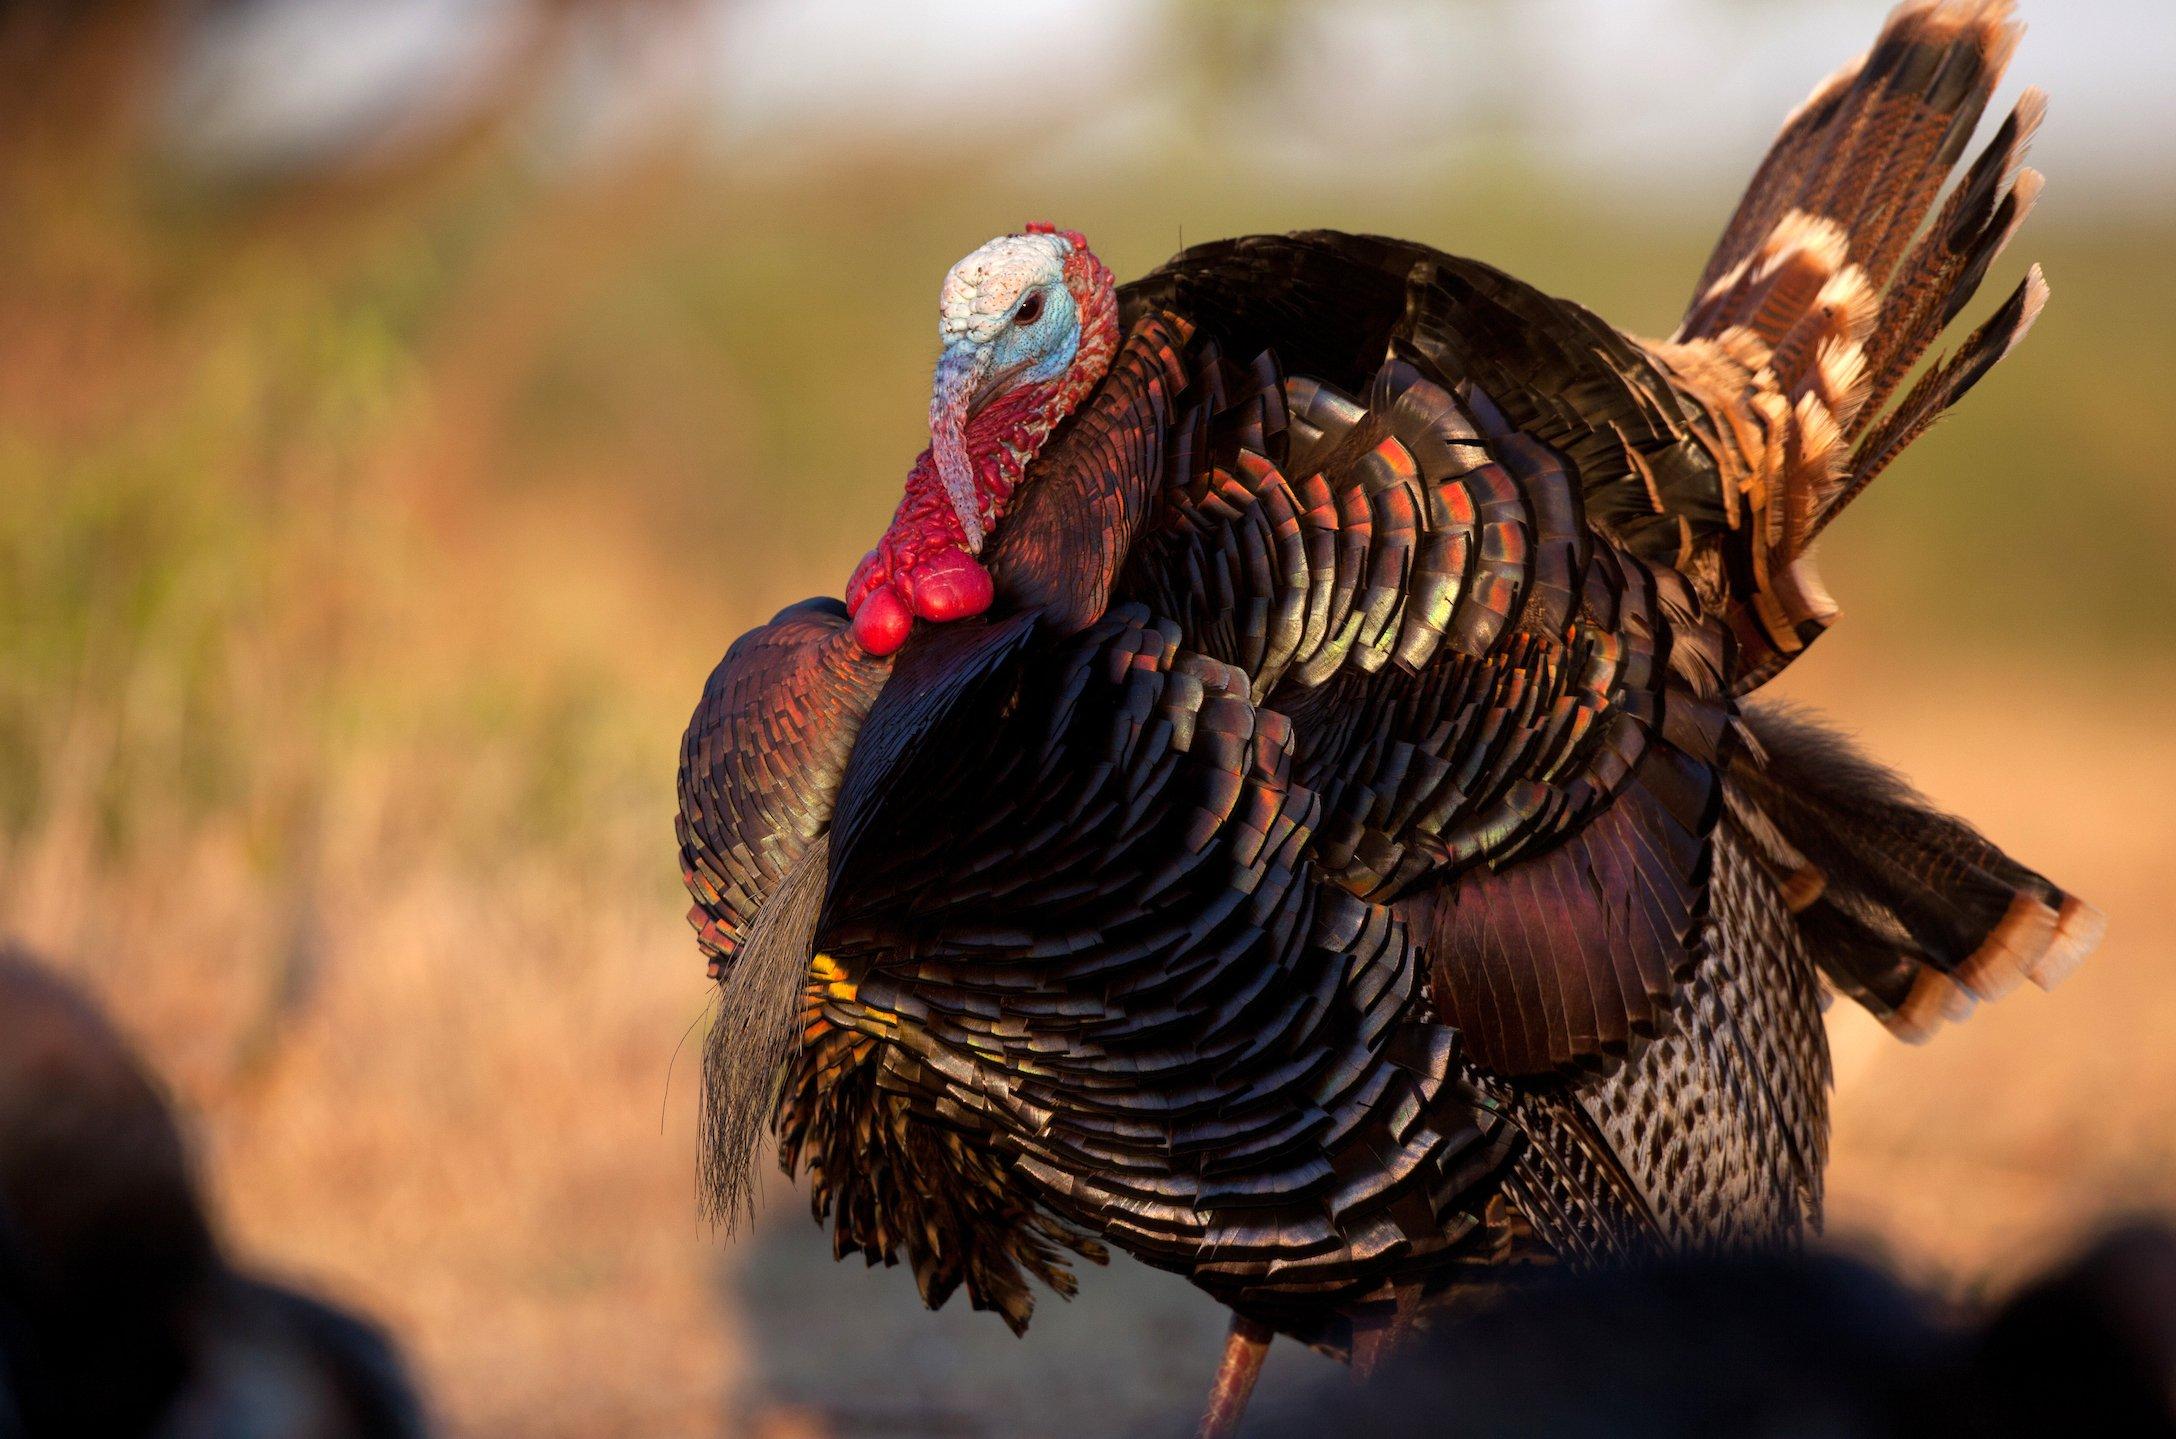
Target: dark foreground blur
column 371, row 510
column 1768, row 1347
column 119, row 1314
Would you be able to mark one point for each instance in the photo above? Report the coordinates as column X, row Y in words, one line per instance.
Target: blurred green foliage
column 477, row 474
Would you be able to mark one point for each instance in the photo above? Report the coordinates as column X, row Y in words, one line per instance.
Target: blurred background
column 402, row 405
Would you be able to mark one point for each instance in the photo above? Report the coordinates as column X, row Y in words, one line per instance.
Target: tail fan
column 1907, row 910
column 1827, row 288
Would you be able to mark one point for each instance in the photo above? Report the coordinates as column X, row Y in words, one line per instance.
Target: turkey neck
column 1069, row 529
column 999, row 440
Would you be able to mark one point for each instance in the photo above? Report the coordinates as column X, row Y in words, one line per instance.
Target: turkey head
column 1028, row 325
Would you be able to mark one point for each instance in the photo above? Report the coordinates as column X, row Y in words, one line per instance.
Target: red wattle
column 871, row 572
column 949, row 585
column 881, row 621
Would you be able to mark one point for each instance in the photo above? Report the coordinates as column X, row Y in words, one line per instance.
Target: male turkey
column 1320, row 837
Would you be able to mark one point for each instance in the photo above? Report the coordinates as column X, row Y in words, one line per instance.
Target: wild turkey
column 1322, row 837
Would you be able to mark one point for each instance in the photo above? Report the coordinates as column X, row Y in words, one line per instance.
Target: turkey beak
column 963, row 372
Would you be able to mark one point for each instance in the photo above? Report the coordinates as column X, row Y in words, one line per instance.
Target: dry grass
column 464, row 1136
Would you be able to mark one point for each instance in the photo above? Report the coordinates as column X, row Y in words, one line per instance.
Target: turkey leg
column 1244, row 1348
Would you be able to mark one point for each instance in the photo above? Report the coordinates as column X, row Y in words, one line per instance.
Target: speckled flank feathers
column 1340, row 853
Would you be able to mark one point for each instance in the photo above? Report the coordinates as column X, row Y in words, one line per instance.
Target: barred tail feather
column 1830, row 284
column 1946, row 266
column 1937, row 390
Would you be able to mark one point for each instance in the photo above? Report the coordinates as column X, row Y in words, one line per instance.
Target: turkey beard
column 756, row 1030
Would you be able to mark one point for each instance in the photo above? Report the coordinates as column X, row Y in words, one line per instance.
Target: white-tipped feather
column 2078, row 931
column 1999, row 965
column 1935, row 1000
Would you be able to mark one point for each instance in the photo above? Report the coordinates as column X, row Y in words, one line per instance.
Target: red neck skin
column 922, row 568
column 923, row 557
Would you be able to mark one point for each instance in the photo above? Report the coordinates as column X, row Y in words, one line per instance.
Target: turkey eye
column 1031, row 310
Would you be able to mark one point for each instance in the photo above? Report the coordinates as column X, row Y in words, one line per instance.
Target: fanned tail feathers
column 1827, row 288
